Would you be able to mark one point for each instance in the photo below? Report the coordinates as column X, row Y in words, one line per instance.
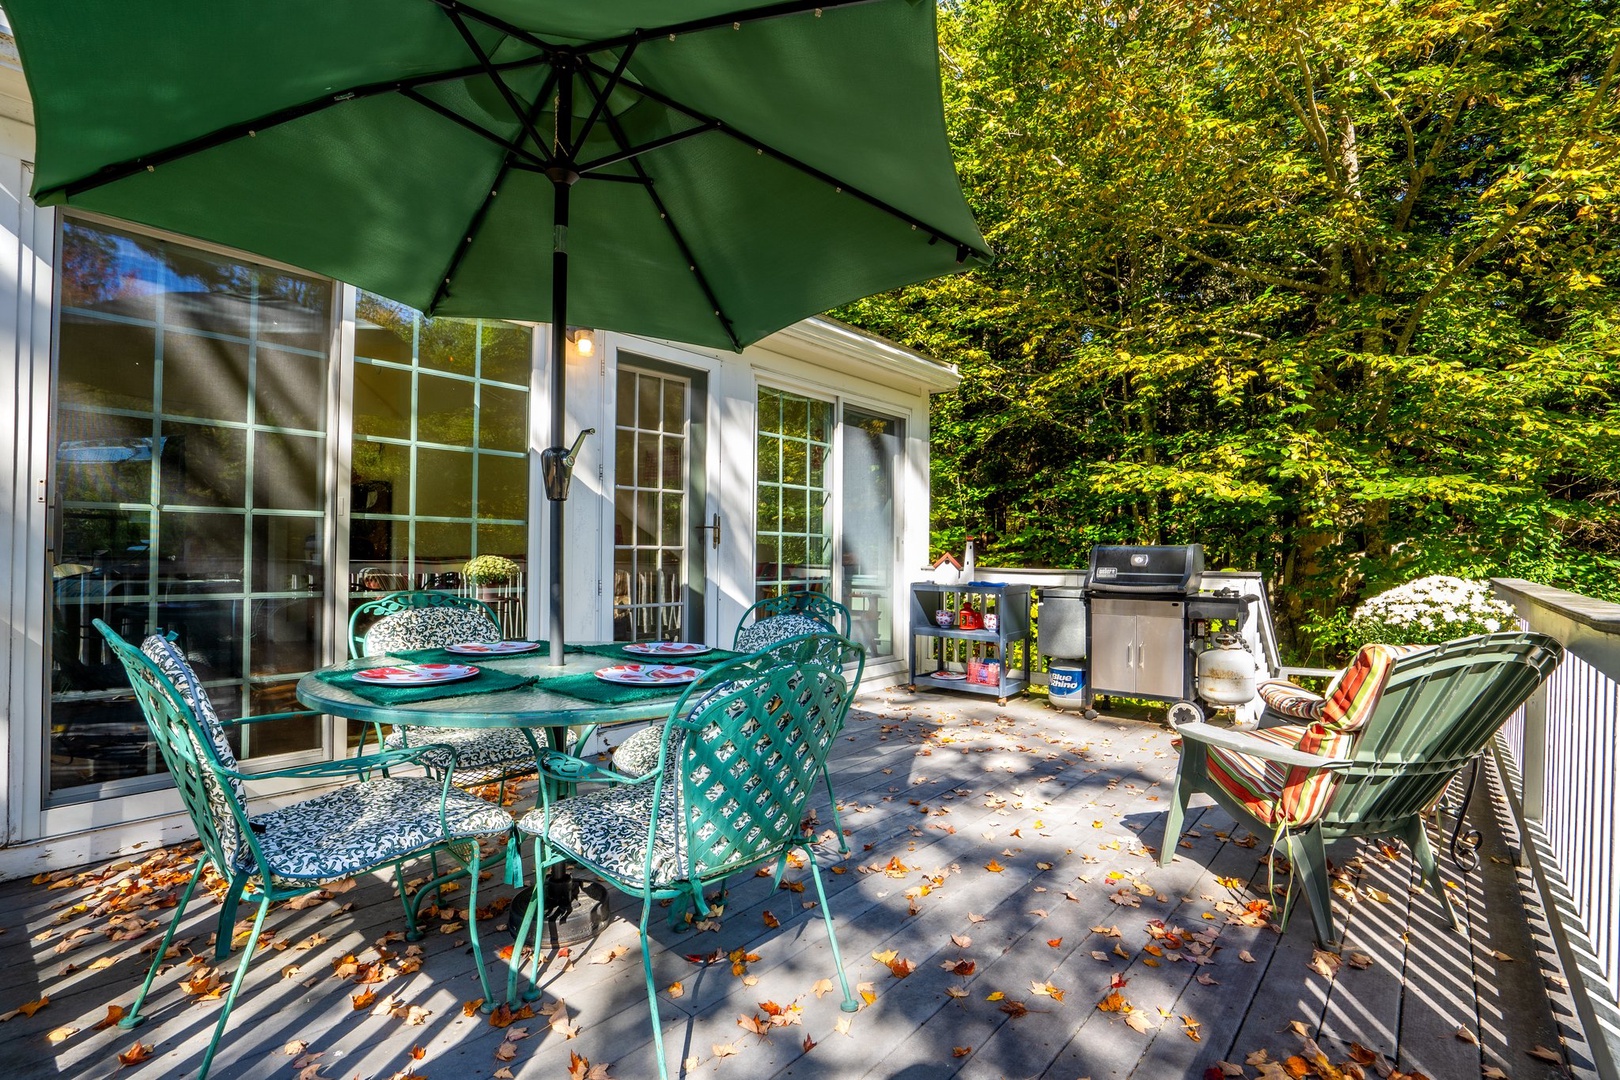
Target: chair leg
column 849, row 1004
column 832, row 806
column 1308, row 853
column 652, row 988
column 134, row 1017
column 537, row 908
column 1417, row 838
column 236, row 986
column 1177, row 814
column 472, row 923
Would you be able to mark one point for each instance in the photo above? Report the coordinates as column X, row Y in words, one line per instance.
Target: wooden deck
column 1027, row 826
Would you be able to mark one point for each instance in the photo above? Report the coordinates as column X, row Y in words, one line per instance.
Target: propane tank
column 1226, row 672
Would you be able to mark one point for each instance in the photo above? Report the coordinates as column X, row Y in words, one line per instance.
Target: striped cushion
column 1293, row 795
column 1351, row 700
column 1281, row 794
column 1287, row 699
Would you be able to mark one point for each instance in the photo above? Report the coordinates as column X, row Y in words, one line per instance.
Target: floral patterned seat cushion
column 222, row 791
column 768, row 631
column 607, row 828
column 481, row 753
column 354, row 828
column 429, row 628
column 638, row 755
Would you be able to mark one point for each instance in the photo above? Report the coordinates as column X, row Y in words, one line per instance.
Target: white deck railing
column 1562, row 757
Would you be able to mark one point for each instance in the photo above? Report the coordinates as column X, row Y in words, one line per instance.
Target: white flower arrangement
column 1428, row 611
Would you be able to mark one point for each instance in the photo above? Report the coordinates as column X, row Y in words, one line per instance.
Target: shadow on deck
column 1019, row 840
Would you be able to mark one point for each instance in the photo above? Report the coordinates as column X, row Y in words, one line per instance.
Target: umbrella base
column 578, row 908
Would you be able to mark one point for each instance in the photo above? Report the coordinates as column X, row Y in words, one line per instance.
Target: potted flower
column 1428, row 611
column 488, row 571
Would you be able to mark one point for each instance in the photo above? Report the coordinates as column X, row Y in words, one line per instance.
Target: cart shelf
column 1010, row 604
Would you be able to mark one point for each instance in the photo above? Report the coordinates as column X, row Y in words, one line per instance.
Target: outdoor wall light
column 584, row 339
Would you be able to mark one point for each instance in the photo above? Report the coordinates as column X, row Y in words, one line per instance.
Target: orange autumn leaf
column 1296, row 1067
column 961, row 1051
column 135, row 1054
column 469, row 1008
column 1054, row 942
column 771, row 921
column 364, row 999
column 1114, row 1002
column 994, row 867
column 901, row 967
column 115, row 1013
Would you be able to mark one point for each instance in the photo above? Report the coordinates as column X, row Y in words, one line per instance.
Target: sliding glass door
column 189, row 492
column 825, row 528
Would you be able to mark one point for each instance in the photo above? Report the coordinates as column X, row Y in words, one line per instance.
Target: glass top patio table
column 532, row 706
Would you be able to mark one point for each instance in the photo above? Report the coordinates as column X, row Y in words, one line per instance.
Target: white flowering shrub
column 1428, row 611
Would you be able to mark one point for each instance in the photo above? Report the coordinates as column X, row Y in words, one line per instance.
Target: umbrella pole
column 559, row 412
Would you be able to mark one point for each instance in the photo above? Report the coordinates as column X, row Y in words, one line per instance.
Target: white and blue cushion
column 772, row 629
column 429, row 628
column 358, row 827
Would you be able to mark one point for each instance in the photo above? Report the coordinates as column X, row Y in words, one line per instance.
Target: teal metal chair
column 1372, row 756
column 404, row 621
column 376, row 821
column 739, row 758
column 638, row 755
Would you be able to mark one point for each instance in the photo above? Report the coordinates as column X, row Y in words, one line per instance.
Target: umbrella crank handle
column 557, row 466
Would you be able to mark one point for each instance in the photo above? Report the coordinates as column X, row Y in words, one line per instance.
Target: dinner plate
column 667, row 648
column 648, row 674
column 415, row 674
column 948, row 676
column 492, row 648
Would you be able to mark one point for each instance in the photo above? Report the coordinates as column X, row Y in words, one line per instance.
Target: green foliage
column 1329, row 287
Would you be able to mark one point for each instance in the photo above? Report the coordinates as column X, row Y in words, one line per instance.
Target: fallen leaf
column 1361, row 1055
column 722, row 1050
column 611, row 955
column 135, row 1054
column 972, row 918
column 956, row 992
column 1491, row 1072
column 771, row 921
column 1139, row 1021
column 364, row 999
column 676, row 989
column 1114, row 1002
column 961, row 941
column 961, row 1051
column 808, row 1045
column 822, row 986
column 1054, row 942
column 61, row 1034
column 115, row 1013
column 1467, row 1036
column 470, row 1008
column 1500, row 955
column 994, row 867
column 1546, row 1055
column 1298, row 1028
column 1245, row 956
column 28, row 1009
column 1014, row 1009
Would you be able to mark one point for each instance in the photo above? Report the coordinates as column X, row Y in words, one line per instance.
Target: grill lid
column 1167, row 569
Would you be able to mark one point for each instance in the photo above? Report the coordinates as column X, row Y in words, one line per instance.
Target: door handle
column 714, row 541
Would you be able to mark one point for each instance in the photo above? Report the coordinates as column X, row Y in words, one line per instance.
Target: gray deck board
column 945, row 784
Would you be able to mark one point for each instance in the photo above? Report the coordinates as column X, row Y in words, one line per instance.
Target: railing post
column 1533, row 767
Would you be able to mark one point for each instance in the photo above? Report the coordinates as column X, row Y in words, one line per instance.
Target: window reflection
column 189, row 417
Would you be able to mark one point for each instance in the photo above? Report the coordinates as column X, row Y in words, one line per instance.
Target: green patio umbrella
column 706, row 171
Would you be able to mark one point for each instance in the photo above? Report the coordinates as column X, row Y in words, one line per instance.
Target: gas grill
column 1146, row 618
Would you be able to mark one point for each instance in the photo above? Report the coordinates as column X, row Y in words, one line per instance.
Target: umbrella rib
column 963, row 249
column 121, row 170
column 511, row 99
column 513, row 148
column 626, row 153
column 477, row 129
column 669, row 222
column 602, row 96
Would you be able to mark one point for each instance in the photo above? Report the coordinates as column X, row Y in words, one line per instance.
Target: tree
column 1330, row 287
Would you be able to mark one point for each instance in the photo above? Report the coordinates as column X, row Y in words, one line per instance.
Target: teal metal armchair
column 376, row 821
column 639, row 754
column 739, row 757
column 1373, row 756
column 404, row 621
